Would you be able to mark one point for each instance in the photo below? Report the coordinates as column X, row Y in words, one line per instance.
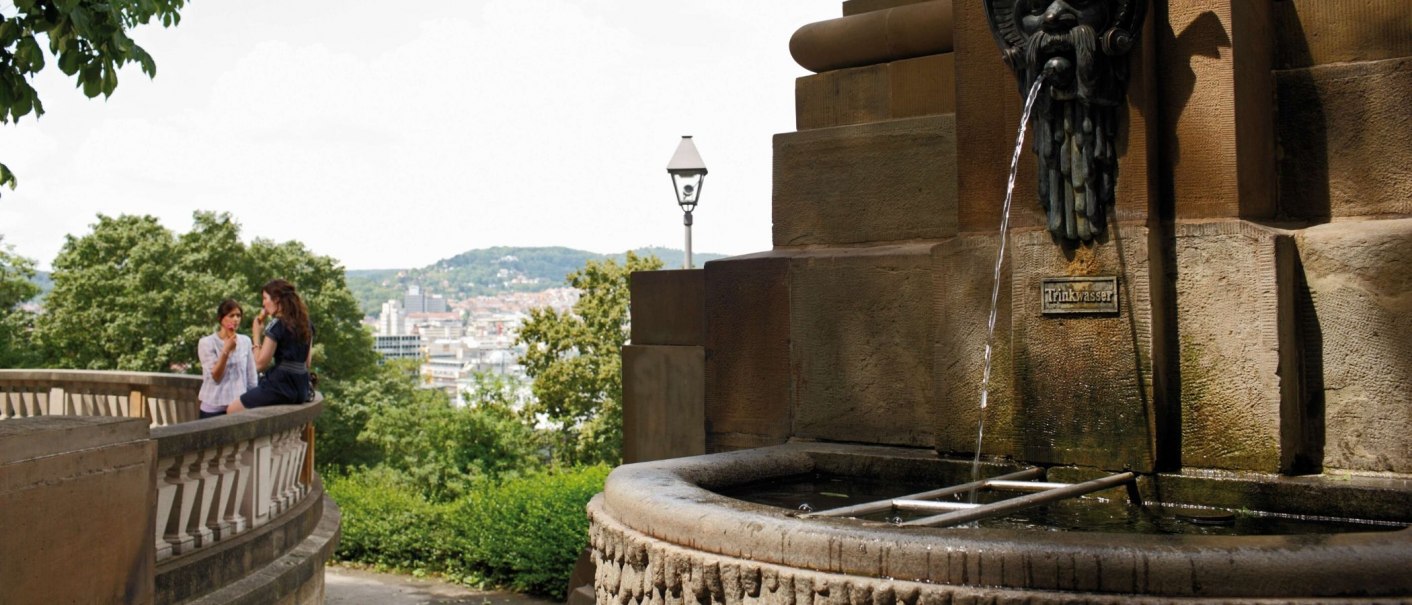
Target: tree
column 89, row 38
column 575, row 360
column 133, row 296
column 16, row 287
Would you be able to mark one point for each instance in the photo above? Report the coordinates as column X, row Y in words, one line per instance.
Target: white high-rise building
column 390, row 320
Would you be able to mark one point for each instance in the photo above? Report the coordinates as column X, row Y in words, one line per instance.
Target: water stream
column 999, row 261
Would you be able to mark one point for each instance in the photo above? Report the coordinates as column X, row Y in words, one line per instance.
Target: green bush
column 523, row 534
column 387, row 523
column 526, row 533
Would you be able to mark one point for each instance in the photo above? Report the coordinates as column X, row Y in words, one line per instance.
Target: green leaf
column 7, row 177
column 110, row 80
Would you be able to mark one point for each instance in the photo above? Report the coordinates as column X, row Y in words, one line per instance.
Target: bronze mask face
column 1079, row 47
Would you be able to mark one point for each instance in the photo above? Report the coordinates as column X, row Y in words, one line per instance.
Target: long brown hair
column 291, row 308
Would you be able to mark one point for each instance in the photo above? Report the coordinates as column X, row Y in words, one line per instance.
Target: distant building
column 401, row 346
column 390, row 320
column 417, row 301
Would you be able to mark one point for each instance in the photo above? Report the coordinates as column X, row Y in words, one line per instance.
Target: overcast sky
column 396, row 134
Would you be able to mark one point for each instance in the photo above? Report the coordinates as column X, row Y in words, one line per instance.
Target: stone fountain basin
column 660, row 535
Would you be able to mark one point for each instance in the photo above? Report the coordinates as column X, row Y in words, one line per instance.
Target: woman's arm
column 265, row 353
column 251, row 378
column 213, row 364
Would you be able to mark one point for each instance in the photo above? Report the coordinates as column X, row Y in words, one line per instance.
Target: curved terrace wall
column 104, row 472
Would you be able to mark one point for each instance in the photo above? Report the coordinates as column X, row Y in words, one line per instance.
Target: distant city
column 460, row 316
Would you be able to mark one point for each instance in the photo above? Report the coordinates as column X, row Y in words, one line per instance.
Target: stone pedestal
column 747, row 352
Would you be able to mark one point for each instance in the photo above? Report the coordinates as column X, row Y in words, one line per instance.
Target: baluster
column 301, row 452
column 166, row 496
column 236, row 511
column 180, row 508
column 258, row 497
column 278, row 493
column 204, row 485
column 293, row 447
column 224, row 476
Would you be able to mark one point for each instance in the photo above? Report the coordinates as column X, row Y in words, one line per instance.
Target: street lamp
column 688, row 171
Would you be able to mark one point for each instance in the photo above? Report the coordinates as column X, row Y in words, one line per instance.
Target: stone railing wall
column 163, row 399
column 224, row 476
column 236, row 508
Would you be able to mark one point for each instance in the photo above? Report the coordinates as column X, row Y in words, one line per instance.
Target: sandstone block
column 1319, row 32
column 1358, row 340
column 962, row 277
column 664, row 408
column 875, row 93
column 86, row 502
column 883, row 182
column 1237, row 356
column 1083, row 384
column 747, row 352
column 1344, row 131
column 668, row 307
column 1216, row 92
column 860, row 325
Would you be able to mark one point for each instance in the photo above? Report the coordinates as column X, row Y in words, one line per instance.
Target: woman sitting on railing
column 288, row 344
column 227, row 364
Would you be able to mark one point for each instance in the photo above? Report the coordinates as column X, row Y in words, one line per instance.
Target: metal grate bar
column 931, row 505
column 869, row 508
column 1023, row 486
column 1002, row 507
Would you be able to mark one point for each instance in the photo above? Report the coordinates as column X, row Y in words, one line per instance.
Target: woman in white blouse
column 227, row 362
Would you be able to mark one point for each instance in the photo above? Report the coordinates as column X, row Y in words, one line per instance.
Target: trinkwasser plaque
column 1068, row 295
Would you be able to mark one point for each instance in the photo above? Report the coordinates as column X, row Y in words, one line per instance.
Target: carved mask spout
column 1079, row 47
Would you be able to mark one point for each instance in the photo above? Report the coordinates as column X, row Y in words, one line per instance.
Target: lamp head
column 688, row 172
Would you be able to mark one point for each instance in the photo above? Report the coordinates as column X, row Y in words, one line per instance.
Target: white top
column 240, row 375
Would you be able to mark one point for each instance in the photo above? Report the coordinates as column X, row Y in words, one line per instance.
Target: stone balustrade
column 163, row 399
column 235, row 501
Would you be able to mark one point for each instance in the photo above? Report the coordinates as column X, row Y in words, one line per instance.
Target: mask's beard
column 1083, row 41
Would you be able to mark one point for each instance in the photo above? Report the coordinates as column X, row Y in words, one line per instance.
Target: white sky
column 396, row 134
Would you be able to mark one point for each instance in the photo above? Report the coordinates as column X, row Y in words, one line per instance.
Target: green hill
column 489, row 271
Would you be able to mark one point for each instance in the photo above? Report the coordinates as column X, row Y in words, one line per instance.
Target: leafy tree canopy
column 575, row 361
column 88, row 37
column 131, row 295
column 16, row 286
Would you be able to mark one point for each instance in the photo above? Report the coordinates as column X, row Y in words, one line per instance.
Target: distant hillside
column 489, row 271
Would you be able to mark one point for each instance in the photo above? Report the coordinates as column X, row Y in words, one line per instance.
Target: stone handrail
column 224, row 476
column 220, row 483
column 163, row 399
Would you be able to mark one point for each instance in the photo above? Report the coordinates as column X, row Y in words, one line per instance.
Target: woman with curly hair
column 284, row 349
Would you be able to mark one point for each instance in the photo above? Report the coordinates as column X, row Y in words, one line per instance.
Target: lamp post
column 688, row 171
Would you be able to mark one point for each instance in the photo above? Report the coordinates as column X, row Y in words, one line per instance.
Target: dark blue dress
column 287, row 381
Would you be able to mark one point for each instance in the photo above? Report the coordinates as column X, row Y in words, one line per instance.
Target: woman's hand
column 229, row 344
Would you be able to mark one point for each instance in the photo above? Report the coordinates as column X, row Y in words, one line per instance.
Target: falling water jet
column 1049, row 69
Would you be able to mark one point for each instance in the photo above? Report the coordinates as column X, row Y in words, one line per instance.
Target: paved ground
column 345, row 586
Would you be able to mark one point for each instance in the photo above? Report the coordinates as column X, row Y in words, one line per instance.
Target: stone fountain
column 1221, row 303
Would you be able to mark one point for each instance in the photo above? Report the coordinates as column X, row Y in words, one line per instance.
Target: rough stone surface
column 1319, row 32
column 1216, row 92
column 881, row 182
column 747, row 352
column 1359, row 281
column 1083, row 384
column 668, row 307
column 963, row 274
column 1343, row 134
column 860, row 326
column 875, row 93
column 1229, row 314
column 664, row 409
